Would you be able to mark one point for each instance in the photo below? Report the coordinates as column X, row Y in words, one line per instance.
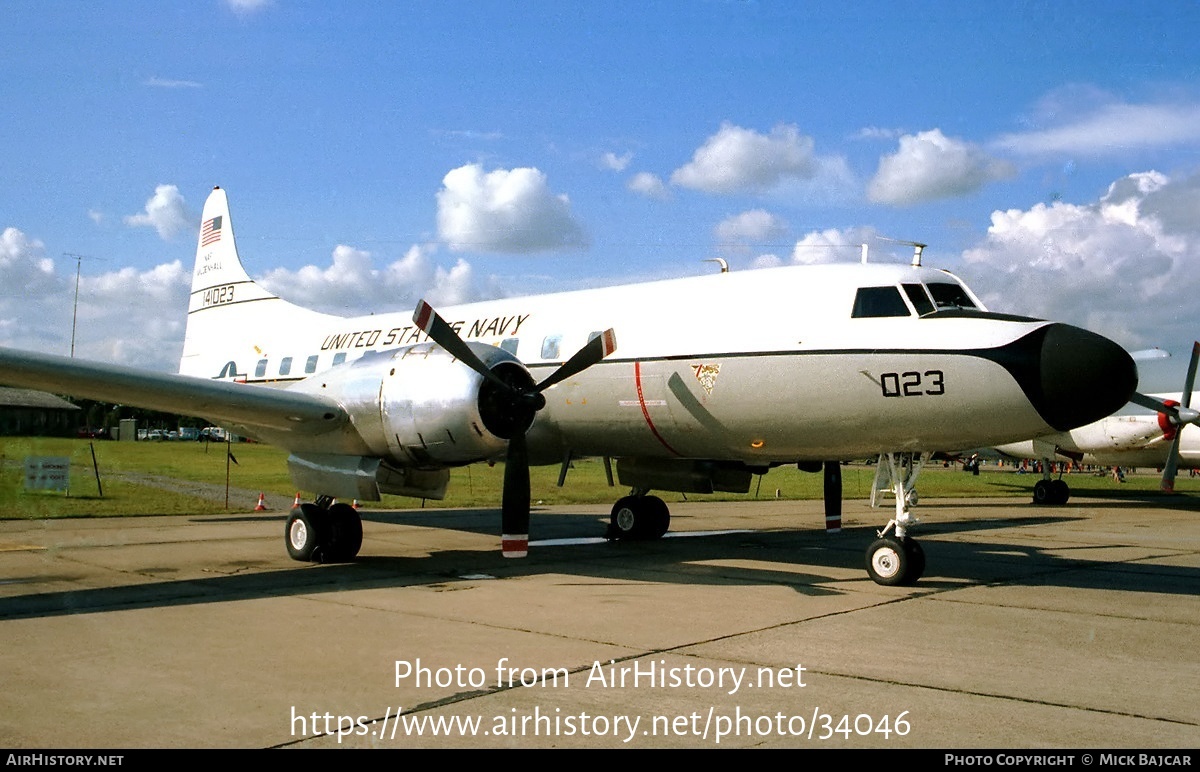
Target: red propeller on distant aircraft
column 1173, row 416
column 509, row 403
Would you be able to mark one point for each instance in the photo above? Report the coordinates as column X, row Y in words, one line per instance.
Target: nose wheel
column 895, row 558
column 893, row 562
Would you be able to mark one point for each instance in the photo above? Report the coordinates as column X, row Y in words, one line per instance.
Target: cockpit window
column 873, row 302
column 947, row 296
column 920, row 300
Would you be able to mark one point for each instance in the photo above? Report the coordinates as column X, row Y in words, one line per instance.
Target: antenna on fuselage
column 917, row 246
column 719, row 261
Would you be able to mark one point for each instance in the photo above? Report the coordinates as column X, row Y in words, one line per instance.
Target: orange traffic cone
column 262, row 503
column 356, row 505
column 296, row 503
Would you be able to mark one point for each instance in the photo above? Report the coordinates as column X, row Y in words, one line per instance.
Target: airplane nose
column 1071, row 376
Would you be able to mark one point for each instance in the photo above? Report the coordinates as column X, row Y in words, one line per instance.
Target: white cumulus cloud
column 739, row 160
column 929, row 166
column 24, row 266
column 648, row 185
column 166, row 212
column 833, row 245
column 146, row 333
column 505, row 210
column 614, row 162
column 754, row 226
column 351, row 284
column 127, row 316
column 1126, row 265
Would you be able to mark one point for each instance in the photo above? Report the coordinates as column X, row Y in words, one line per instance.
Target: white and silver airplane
column 720, row 377
column 1169, row 438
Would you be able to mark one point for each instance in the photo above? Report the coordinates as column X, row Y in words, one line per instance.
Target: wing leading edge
column 246, row 405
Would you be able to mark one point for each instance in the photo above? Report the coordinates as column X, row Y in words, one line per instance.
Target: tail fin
column 232, row 321
column 218, row 266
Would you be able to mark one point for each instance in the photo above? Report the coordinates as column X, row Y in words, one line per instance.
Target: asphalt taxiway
column 1067, row 627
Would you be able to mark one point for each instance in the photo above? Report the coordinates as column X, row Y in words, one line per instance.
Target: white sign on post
column 47, row 473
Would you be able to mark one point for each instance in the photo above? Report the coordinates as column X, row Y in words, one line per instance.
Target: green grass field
column 264, row 468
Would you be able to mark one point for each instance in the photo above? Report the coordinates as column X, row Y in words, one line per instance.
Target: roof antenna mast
column 917, row 246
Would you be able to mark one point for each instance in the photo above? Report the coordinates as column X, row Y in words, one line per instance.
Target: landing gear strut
column 323, row 532
column 898, row 559
column 639, row 517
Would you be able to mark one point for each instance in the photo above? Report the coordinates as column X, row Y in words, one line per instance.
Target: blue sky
column 379, row 153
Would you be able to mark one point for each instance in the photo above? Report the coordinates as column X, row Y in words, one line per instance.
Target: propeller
column 1173, row 416
column 512, row 403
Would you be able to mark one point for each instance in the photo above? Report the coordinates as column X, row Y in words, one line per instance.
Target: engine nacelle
column 421, row 407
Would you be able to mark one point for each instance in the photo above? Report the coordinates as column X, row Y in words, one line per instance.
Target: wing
column 255, row 407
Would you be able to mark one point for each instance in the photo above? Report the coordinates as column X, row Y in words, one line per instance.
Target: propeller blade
column 1183, row 415
column 1172, row 465
column 514, row 507
column 444, row 335
column 517, row 404
column 1189, row 382
column 592, row 352
column 1150, row 403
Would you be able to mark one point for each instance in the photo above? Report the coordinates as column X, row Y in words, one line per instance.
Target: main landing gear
column 1052, row 492
column 639, row 517
column 323, row 532
column 898, row 559
column 1049, row 491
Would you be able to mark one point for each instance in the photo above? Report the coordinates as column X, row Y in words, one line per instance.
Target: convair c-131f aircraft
column 718, row 378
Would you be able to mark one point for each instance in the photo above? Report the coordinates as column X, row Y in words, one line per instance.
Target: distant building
column 26, row 413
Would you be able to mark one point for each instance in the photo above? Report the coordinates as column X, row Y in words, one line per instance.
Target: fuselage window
column 550, row 346
column 339, row 358
column 873, row 302
column 510, row 345
column 947, row 295
column 285, row 366
column 260, row 369
column 310, row 366
column 920, row 300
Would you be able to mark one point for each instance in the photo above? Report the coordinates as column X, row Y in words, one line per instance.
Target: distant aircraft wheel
column 916, row 560
column 307, row 533
column 888, row 562
column 1059, row 492
column 345, row 533
column 1042, row 493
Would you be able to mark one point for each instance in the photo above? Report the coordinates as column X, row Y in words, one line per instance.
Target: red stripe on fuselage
column 637, row 377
